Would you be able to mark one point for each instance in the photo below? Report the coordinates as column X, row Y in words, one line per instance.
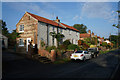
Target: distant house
column 100, row 39
column 107, row 41
column 87, row 35
column 37, row 28
column 4, row 41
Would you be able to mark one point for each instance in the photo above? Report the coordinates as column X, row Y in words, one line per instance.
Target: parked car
column 81, row 55
column 93, row 51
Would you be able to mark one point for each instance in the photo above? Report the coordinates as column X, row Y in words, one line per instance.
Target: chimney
column 89, row 31
column 92, row 33
column 57, row 20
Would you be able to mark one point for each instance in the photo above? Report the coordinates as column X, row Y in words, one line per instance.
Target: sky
column 97, row 16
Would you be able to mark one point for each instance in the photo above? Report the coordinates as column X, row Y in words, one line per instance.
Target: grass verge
column 103, row 52
column 61, row 61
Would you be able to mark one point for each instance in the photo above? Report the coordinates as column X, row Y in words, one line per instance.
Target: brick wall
column 30, row 28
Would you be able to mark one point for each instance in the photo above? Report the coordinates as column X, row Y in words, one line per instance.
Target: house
column 107, row 41
column 87, row 35
column 36, row 29
column 100, row 39
column 4, row 41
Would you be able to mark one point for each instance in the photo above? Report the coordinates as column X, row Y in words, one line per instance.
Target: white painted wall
column 73, row 36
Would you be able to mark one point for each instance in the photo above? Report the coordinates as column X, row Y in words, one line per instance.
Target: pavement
column 104, row 67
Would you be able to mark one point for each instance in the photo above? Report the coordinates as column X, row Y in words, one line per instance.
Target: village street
column 103, row 67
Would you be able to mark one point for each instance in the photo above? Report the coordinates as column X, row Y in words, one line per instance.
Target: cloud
column 98, row 10
column 60, row 0
column 77, row 17
column 30, row 7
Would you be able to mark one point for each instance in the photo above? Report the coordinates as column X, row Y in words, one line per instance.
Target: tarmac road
column 103, row 67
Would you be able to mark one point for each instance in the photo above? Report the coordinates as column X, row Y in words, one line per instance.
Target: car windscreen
column 90, row 49
column 78, row 51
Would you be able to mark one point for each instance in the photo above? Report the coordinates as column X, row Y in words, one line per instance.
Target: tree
column 58, row 36
column 117, row 26
column 5, row 31
column 66, row 42
column 14, row 35
column 104, row 44
column 113, row 39
column 82, row 28
column 12, row 38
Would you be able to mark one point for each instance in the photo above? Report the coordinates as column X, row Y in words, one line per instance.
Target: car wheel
column 84, row 59
column 90, row 57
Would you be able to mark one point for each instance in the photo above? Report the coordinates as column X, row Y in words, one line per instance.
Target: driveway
column 102, row 67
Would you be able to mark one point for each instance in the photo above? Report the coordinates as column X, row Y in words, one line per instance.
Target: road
column 102, row 67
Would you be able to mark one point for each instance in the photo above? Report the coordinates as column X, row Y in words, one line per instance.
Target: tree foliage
column 73, row 47
column 14, row 35
column 66, row 42
column 5, row 31
column 58, row 36
column 117, row 26
column 82, row 28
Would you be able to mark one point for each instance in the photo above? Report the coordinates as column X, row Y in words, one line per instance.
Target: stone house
column 37, row 28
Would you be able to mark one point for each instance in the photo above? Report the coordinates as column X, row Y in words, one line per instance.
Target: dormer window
column 21, row 28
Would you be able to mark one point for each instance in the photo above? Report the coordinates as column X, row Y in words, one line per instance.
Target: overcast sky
column 97, row 16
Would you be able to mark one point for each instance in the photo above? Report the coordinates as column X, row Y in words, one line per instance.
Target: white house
column 107, row 41
column 37, row 28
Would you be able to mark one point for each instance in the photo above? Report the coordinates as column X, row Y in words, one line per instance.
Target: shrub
column 62, row 47
column 73, row 47
column 42, row 43
column 66, row 42
column 50, row 48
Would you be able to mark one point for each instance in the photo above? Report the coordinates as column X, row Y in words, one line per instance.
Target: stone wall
column 51, row 55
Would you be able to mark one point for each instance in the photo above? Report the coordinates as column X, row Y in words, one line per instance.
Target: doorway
column 28, row 40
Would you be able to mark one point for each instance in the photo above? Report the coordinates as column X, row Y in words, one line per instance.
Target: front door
column 28, row 40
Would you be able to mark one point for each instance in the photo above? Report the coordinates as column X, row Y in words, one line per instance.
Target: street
column 103, row 67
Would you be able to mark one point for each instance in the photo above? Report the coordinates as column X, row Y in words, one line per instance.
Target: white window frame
column 23, row 42
column 22, row 28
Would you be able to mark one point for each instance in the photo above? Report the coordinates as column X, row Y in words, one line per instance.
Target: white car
column 81, row 55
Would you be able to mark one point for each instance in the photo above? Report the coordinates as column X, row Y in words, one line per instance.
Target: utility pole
column 110, row 36
column 118, row 40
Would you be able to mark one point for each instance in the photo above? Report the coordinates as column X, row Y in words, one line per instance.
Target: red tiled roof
column 70, row 27
column 42, row 19
column 85, row 35
column 100, row 37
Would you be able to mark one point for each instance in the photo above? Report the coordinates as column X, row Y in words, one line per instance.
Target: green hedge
column 73, row 47
column 49, row 48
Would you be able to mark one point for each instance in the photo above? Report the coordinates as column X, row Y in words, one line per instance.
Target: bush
column 62, row 47
column 66, row 42
column 73, row 47
column 50, row 48
column 42, row 43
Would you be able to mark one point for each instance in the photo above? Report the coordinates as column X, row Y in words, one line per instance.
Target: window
column 69, row 32
column 61, row 31
column 21, row 43
column 21, row 28
column 77, row 34
column 79, row 52
column 53, row 28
